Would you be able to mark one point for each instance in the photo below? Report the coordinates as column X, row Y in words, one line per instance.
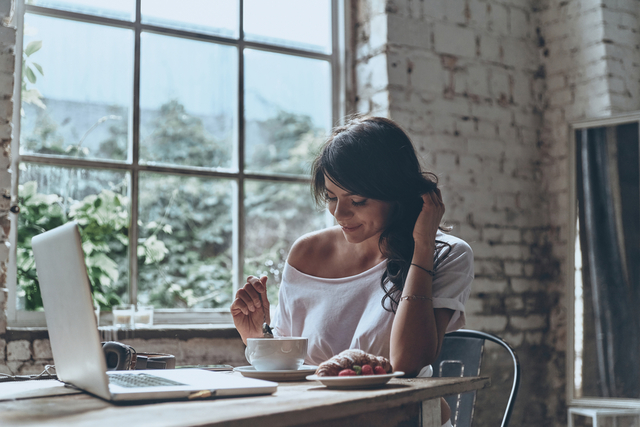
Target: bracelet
column 415, row 297
column 430, row 272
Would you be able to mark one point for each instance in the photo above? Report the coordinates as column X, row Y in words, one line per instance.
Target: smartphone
column 209, row 367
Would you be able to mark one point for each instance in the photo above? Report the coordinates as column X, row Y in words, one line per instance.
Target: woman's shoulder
column 455, row 250
column 313, row 246
column 456, row 243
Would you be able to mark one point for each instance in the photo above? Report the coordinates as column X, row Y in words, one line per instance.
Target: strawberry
column 367, row 370
column 347, row 373
column 379, row 370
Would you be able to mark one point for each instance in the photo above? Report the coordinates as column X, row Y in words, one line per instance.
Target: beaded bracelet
column 415, row 297
column 430, row 272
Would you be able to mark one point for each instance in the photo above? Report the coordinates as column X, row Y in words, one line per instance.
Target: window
column 178, row 137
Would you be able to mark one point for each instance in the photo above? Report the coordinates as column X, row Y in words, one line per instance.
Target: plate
column 292, row 375
column 357, row 381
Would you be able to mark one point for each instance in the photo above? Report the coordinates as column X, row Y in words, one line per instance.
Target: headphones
column 119, row 356
column 123, row 357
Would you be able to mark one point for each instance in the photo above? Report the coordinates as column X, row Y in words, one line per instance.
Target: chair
column 461, row 356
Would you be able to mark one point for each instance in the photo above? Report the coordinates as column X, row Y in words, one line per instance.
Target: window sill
column 180, row 332
column 216, row 316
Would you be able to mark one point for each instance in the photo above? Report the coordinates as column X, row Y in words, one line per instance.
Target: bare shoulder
column 312, row 247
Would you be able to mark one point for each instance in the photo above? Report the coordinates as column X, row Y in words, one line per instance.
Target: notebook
column 75, row 341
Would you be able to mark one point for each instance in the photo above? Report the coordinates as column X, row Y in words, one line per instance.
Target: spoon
column 266, row 329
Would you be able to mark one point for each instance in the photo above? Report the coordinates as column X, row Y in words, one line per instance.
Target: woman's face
column 360, row 218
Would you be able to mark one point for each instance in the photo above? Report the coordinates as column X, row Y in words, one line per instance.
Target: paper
column 14, row 390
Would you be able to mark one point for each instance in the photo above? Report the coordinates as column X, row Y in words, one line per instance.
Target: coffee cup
column 276, row 354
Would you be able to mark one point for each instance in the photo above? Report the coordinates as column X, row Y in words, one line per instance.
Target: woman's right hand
column 248, row 311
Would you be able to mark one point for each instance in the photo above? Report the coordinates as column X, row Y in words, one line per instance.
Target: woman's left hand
column 430, row 217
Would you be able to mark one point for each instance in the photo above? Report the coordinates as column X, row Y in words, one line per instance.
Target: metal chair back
column 461, row 356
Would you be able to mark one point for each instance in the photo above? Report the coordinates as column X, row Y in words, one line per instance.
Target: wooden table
column 404, row 402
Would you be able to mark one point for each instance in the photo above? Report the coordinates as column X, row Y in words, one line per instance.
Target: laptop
column 75, row 341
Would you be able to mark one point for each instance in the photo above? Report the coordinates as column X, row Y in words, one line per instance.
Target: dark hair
column 374, row 158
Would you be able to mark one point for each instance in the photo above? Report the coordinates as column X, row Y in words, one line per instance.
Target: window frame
column 572, row 399
column 340, row 87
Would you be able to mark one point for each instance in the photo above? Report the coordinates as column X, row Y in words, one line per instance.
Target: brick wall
column 487, row 89
column 7, row 63
column 28, row 351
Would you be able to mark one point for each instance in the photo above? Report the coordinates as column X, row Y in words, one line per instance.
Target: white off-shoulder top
column 343, row 313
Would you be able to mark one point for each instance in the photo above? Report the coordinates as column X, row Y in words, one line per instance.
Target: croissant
column 348, row 358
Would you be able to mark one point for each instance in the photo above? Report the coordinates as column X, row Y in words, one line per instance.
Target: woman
column 385, row 279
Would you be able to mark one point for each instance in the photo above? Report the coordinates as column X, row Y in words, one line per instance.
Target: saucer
column 288, row 375
column 356, row 381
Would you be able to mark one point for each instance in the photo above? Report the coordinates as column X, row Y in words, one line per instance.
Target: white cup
column 276, row 354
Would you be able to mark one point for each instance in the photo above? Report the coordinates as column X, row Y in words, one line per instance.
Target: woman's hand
column 429, row 218
column 250, row 309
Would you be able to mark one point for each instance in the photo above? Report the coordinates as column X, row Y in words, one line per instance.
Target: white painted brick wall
column 18, row 350
column 455, row 11
column 42, row 350
column 414, row 32
column 29, row 356
column 454, row 40
column 481, row 129
column 7, row 61
column 498, row 18
column 519, row 24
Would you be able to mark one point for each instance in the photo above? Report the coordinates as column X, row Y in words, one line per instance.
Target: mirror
column 606, row 347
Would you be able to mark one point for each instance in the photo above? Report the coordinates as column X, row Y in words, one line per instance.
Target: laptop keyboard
column 141, row 380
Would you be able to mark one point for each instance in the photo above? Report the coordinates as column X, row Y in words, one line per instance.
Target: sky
column 94, row 63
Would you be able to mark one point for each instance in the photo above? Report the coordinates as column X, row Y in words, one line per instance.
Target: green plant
column 192, row 216
column 104, row 223
column 39, row 213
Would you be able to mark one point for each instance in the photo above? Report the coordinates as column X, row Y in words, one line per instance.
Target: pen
column 202, row 394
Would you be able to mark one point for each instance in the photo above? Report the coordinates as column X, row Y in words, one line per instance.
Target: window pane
column 218, row 17
column 291, row 23
column 288, row 111
column 50, row 196
column 76, row 89
column 276, row 215
column 188, row 102
column 118, row 9
column 185, row 241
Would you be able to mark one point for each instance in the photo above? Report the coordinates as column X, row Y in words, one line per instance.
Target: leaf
column 88, row 247
column 39, row 67
column 122, row 239
column 100, row 299
column 154, row 250
column 33, row 96
column 33, row 47
column 104, row 263
column 29, row 72
column 28, row 189
column 105, row 281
